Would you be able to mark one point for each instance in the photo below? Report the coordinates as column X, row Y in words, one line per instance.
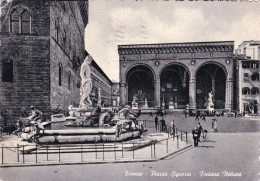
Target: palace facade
column 42, row 48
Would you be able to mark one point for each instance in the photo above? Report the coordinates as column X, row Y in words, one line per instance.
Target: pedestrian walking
column 200, row 131
column 151, row 114
column 197, row 116
column 203, row 116
column 173, row 128
column 244, row 114
column 156, row 122
column 195, row 135
column 162, row 124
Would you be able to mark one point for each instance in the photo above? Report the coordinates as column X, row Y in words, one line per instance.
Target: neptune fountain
column 86, row 123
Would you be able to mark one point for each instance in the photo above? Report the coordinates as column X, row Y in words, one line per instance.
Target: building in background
column 100, row 81
column 42, row 48
column 182, row 72
column 247, row 73
column 250, row 49
column 115, row 94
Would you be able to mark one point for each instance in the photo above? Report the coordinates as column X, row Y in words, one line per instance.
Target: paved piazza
column 219, row 157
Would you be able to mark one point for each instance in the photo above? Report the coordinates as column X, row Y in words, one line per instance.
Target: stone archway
column 140, row 85
column 174, row 84
column 211, row 77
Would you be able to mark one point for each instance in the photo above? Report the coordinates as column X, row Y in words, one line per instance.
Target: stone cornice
column 170, row 48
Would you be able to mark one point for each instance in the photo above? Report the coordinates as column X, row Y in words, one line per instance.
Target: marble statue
column 134, row 104
column 210, row 97
column 86, row 83
column 171, row 104
column 163, row 103
column 210, row 105
column 145, row 103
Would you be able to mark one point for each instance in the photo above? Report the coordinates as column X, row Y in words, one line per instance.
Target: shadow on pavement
column 206, row 146
column 179, row 153
column 209, row 141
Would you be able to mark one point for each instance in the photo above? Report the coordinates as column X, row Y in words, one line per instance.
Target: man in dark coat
column 197, row 114
column 195, row 134
column 203, row 116
column 162, row 124
column 156, row 122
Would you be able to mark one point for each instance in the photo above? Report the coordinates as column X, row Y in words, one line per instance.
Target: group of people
column 196, row 134
column 161, row 122
column 198, row 131
column 200, row 115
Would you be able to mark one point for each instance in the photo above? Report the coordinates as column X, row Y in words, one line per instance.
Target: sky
column 119, row 22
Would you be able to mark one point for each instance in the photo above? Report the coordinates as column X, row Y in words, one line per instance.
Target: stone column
column 122, row 93
column 157, row 93
column 229, row 94
column 213, row 89
column 192, row 94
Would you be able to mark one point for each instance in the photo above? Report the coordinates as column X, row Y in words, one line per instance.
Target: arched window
column 255, row 77
column 60, row 74
column 20, row 20
column 25, row 22
column 7, row 71
column 245, row 90
column 64, row 40
column 56, row 31
column 69, row 77
column 255, row 90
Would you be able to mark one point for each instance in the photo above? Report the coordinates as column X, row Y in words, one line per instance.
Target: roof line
column 205, row 42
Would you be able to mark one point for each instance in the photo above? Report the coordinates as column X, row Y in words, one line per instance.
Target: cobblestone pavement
column 235, row 153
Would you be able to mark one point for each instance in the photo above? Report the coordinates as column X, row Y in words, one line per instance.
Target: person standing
column 195, row 135
column 156, row 122
column 215, row 129
column 186, row 112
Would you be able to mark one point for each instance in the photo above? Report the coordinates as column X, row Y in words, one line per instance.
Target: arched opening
column 174, row 81
column 210, row 77
column 140, row 85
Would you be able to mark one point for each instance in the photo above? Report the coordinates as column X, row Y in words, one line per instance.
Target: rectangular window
column 245, row 76
column 7, row 71
column 245, row 65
